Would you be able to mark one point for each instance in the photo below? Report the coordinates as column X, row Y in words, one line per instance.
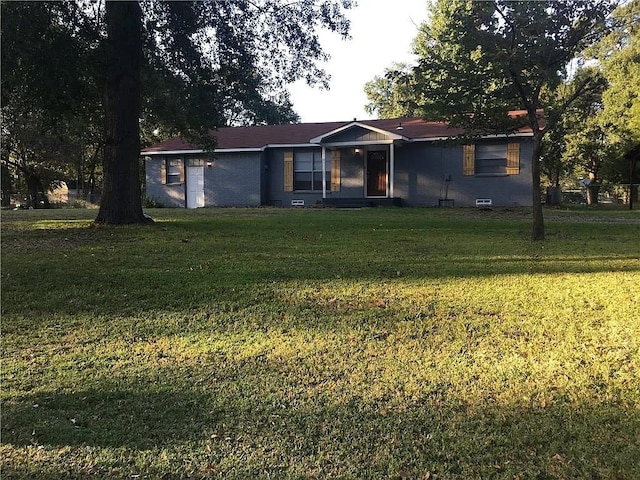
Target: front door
column 195, row 187
column 377, row 173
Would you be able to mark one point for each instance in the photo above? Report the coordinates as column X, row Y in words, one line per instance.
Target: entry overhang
column 390, row 135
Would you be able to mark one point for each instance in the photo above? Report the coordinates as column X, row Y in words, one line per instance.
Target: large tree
column 478, row 60
column 227, row 56
column 181, row 67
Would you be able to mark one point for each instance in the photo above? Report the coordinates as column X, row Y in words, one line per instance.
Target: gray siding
column 421, row 170
column 234, row 180
column 257, row 178
column 168, row 195
column 277, row 196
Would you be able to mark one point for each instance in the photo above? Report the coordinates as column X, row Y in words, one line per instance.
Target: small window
column 174, row 171
column 196, row 162
column 491, row 159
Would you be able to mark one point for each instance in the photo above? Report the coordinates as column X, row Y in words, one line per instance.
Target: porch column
column 324, row 175
column 392, row 168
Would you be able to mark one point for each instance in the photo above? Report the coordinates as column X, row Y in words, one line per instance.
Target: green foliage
column 51, row 106
column 620, row 114
column 480, row 60
column 262, row 343
column 390, row 96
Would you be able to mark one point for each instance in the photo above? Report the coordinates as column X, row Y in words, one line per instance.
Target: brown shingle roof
column 257, row 137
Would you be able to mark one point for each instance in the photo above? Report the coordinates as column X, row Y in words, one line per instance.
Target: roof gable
column 356, row 132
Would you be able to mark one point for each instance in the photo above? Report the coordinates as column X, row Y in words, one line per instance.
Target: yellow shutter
column 182, row 170
column 288, row 171
column 163, row 172
column 335, row 171
column 513, row 159
column 469, row 159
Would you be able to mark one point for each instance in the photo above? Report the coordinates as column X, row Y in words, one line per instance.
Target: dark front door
column 377, row 173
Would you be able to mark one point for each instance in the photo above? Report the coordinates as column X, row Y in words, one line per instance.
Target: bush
column 152, row 203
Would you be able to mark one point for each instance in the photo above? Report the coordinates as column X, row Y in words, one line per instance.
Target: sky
column 381, row 33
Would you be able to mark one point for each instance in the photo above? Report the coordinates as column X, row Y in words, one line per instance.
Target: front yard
column 304, row 344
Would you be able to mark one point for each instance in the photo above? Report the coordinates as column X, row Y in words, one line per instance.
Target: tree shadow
column 433, row 435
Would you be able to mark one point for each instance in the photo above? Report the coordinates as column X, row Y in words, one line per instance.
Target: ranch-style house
column 402, row 161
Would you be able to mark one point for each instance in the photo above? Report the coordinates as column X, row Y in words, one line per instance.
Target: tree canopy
column 479, row 60
column 203, row 64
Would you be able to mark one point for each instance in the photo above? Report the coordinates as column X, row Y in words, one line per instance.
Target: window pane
column 491, row 151
column 317, row 163
column 302, row 181
column 303, row 162
column 491, row 165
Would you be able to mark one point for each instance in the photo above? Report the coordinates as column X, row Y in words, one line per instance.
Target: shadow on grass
column 354, row 439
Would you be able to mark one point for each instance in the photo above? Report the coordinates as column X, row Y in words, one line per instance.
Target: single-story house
column 402, row 161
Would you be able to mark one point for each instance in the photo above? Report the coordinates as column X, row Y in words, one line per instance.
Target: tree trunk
column 538, row 219
column 593, row 190
column 37, row 196
column 121, row 201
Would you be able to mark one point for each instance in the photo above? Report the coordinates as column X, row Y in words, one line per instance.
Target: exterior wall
column 421, row 170
column 257, row 178
column 234, row 180
column 168, row 195
column 277, row 196
column 351, row 174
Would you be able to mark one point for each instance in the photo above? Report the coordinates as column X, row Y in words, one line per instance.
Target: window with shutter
column 468, row 160
column 288, row 171
column 303, row 171
column 174, row 171
column 513, row 159
column 335, row 171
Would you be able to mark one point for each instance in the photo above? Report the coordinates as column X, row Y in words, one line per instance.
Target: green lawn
column 316, row 344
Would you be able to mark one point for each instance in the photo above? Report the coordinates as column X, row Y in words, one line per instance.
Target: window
column 174, row 170
column 491, row 159
column 196, row 162
column 303, row 171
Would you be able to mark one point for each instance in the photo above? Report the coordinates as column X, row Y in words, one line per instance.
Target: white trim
column 392, row 169
column 200, row 152
column 324, row 175
column 483, row 137
column 289, row 145
column 172, row 152
column 358, row 144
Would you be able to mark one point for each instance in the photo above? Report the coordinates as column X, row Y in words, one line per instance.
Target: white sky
column 381, row 33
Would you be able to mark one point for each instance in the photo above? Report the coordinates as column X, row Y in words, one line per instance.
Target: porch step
column 362, row 202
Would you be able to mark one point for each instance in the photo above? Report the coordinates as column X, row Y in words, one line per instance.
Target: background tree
column 619, row 117
column 50, row 99
column 479, row 60
column 391, row 95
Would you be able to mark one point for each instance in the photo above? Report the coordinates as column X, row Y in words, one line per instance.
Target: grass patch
column 296, row 344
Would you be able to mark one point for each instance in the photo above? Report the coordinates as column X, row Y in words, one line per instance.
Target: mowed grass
column 321, row 344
